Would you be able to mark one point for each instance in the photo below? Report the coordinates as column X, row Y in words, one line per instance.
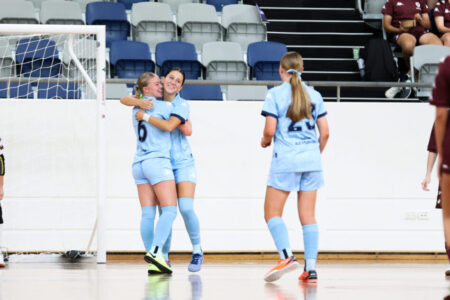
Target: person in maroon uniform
column 441, row 99
column 399, row 19
column 432, row 156
column 442, row 19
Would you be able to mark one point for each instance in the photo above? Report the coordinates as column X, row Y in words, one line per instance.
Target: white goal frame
column 99, row 90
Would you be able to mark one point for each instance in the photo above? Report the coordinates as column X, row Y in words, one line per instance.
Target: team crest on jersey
column 418, row 4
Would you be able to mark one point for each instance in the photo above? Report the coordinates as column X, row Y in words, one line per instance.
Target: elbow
column 269, row 133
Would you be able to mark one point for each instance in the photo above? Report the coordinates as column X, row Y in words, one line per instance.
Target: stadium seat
column 153, row 23
column 201, row 92
column 60, row 90
column 61, row 12
column 129, row 3
column 37, row 58
column 17, row 12
column 243, row 24
column 246, row 92
column 83, row 3
column 224, row 61
column 426, row 59
column 372, row 12
column 16, row 90
column 38, row 3
column 175, row 3
column 178, row 54
column 264, row 59
column 199, row 24
column 6, row 59
column 112, row 15
column 219, row 4
column 130, row 59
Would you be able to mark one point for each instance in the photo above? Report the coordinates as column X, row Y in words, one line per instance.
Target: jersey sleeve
column 320, row 107
column 181, row 111
column 270, row 106
column 388, row 8
column 441, row 89
column 438, row 10
column 432, row 147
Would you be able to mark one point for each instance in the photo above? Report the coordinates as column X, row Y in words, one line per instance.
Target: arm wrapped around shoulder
column 2, row 165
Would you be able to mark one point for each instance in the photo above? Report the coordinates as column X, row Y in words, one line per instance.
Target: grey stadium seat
column 116, row 90
column 426, row 59
column 7, row 68
column 372, row 12
column 199, row 24
column 153, row 23
column 224, row 61
column 175, row 3
column 246, row 92
column 243, row 24
column 38, row 3
column 17, row 12
column 61, row 12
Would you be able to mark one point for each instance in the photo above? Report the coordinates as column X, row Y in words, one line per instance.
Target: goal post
column 68, row 37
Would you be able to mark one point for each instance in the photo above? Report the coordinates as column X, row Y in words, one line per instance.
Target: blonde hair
column 142, row 82
column 300, row 107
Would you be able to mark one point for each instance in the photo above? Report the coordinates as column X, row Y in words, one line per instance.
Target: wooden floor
column 217, row 281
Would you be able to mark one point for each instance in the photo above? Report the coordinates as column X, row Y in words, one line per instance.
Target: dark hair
column 177, row 70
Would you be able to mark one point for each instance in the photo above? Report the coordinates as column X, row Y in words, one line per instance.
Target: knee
column 446, row 40
column 307, row 218
column 186, row 206
column 148, row 212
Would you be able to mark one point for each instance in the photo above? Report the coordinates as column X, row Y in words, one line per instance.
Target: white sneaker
column 392, row 92
column 2, row 261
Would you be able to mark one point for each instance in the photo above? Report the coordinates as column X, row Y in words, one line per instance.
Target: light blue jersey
column 151, row 141
column 180, row 153
column 296, row 146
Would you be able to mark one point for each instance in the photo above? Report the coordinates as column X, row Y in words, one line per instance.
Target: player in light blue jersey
column 152, row 170
column 293, row 111
column 182, row 161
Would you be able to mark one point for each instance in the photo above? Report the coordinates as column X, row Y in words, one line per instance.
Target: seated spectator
column 442, row 19
column 407, row 23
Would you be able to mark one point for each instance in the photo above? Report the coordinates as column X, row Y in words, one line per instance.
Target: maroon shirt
column 401, row 10
column 441, row 98
column 443, row 10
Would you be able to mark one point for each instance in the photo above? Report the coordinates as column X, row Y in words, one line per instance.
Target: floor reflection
column 158, row 287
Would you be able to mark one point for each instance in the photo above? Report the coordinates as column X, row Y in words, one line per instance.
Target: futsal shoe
column 283, row 266
column 153, row 270
column 196, row 262
column 308, row 276
column 159, row 262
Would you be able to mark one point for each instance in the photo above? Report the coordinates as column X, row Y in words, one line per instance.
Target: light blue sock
column 280, row 236
column 190, row 219
column 311, row 244
column 147, row 224
column 167, row 244
column 163, row 227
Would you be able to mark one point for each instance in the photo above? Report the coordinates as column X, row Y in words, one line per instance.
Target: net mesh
column 43, row 66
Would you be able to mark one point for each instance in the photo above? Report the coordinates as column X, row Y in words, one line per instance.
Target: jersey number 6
column 142, row 131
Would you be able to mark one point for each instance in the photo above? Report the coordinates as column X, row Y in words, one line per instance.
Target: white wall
column 374, row 164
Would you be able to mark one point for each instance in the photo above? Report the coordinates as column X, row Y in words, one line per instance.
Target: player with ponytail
column 293, row 111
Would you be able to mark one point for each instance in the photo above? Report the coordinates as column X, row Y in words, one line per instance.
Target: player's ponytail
column 300, row 107
column 141, row 82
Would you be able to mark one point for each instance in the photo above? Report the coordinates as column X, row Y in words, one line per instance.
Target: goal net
column 52, row 120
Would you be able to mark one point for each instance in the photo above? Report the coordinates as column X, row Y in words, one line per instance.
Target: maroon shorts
column 417, row 32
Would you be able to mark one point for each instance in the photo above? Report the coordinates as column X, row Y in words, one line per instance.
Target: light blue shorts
column 187, row 173
column 153, row 171
column 296, row 181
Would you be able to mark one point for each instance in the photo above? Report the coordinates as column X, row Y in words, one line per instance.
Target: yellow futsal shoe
column 283, row 266
column 158, row 261
column 153, row 270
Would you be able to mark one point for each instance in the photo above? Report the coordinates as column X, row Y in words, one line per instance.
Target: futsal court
column 231, row 280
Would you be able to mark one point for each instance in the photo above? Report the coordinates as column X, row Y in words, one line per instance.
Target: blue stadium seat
column 130, row 59
column 112, row 15
column 201, row 92
column 178, row 54
column 37, row 58
column 60, row 90
column 264, row 59
column 218, row 4
column 129, row 3
column 16, row 90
